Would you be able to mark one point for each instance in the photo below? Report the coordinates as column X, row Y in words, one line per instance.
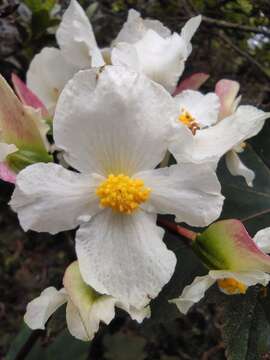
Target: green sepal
column 22, row 158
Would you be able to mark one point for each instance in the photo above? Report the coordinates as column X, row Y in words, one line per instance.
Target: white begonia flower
column 151, row 42
column 215, row 136
column 245, row 262
column 51, row 69
column 115, row 129
column 149, row 47
column 85, row 308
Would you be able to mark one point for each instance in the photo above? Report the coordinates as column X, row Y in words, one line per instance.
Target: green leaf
column 22, row 158
column 37, row 5
column 245, row 5
column 249, row 204
column 18, row 343
column 63, row 347
column 246, row 329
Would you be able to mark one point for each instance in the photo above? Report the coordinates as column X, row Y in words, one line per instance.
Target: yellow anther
column 231, row 286
column 189, row 121
column 122, row 193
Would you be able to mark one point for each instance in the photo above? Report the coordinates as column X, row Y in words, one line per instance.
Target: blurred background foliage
column 233, row 42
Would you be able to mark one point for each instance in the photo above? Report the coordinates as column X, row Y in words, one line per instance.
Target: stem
column 180, row 230
column 256, row 215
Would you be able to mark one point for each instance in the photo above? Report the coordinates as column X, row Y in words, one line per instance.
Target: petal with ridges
column 50, row 198
column 130, row 245
column 188, row 191
column 129, row 134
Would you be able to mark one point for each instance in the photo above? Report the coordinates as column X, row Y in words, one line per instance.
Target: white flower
column 115, row 130
column 246, row 260
column 149, row 47
column 85, row 308
column 215, row 136
column 152, row 43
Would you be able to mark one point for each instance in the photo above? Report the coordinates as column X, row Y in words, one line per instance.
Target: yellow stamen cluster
column 189, row 121
column 122, row 193
column 231, row 286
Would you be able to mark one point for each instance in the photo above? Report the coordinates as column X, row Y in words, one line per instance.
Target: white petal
column 135, row 28
column 75, row 325
column 262, row 239
column 6, row 149
column 47, row 75
column 86, row 308
column 212, row 143
column 248, row 278
column 123, row 121
column 40, row 309
column 189, row 191
column 203, row 108
column 193, row 293
column 189, row 30
column 136, row 314
column 161, row 59
column 50, row 198
column 124, row 256
column 236, row 167
column 76, row 38
column 126, row 54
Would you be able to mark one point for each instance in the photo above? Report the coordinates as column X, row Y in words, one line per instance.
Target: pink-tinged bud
column 227, row 91
column 7, row 174
column 226, row 245
column 193, row 82
column 27, row 97
column 21, row 126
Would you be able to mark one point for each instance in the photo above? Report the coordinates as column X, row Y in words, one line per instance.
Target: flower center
column 122, row 193
column 189, row 121
column 231, row 286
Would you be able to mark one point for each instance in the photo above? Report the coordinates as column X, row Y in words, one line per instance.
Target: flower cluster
column 115, row 114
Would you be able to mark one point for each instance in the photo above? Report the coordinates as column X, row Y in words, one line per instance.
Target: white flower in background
column 85, row 309
column 145, row 45
column 219, row 127
column 115, row 129
column 149, row 47
column 227, row 90
column 239, row 262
